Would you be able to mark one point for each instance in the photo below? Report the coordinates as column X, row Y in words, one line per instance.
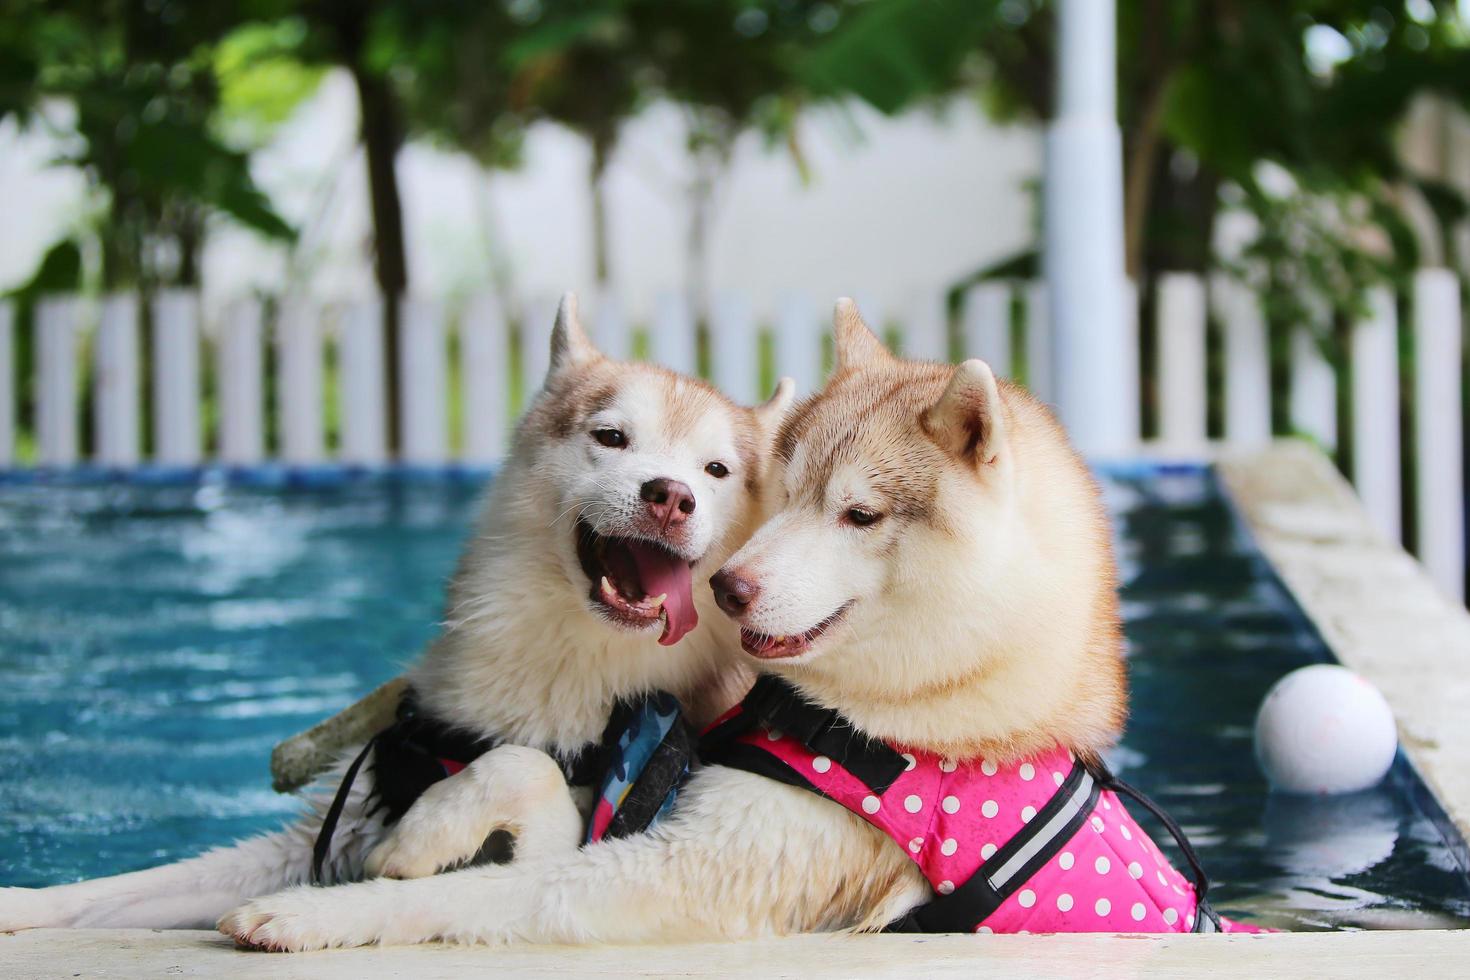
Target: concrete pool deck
column 1373, row 604
column 141, row 952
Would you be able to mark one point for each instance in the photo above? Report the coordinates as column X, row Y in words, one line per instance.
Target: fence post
column 1130, row 361
column 115, row 378
column 734, row 347
column 7, row 383
column 484, row 351
column 56, row 380
column 673, row 332
column 1313, row 389
column 538, row 317
column 1247, row 363
column 986, row 325
column 237, row 376
column 1038, row 342
column 362, row 383
column 798, row 335
column 176, row 377
column 926, row 334
column 1375, row 391
column 1440, row 500
column 610, row 327
column 422, row 374
column 1181, row 338
column 299, row 348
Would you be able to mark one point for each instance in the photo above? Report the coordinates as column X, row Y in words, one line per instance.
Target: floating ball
column 1323, row 729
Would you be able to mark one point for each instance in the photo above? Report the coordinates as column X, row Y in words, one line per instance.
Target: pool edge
column 141, row 952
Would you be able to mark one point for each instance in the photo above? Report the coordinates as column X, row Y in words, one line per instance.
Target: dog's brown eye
column 717, row 470
column 611, row 438
column 863, row 517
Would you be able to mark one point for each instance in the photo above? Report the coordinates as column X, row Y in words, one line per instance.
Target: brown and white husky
column 625, row 483
column 939, row 570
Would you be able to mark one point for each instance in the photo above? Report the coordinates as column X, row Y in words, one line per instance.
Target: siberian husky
column 623, row 483
column 939, row 570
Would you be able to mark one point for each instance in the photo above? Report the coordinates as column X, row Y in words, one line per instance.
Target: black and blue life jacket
column 636, row 767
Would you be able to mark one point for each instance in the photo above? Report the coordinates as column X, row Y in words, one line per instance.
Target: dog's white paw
column 296, row 921
column 433, row 836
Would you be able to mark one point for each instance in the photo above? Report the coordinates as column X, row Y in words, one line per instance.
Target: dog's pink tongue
column 660, row 573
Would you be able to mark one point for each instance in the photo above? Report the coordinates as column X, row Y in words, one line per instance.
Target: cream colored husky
column 939, row 571
column 624, row 483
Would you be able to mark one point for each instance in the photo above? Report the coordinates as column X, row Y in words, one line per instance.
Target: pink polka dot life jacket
column 1040, row 845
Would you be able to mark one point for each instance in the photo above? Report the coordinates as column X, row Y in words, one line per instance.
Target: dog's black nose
column 668, row 500
column 733, row 592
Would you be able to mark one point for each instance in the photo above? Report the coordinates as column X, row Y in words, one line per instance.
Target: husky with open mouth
column 575, row 596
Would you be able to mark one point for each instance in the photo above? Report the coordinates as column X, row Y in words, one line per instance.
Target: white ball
column 1323, row 729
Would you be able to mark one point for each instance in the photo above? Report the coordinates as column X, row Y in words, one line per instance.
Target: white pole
column 1084, row 229
column 798, row 334
column 7, row 384
column 115, row 366
column 1181, row 333
column 239, row 368
column 1375, row 380
column 362, row 384
column 734, row 347
column 987, row 325
column 1247, row 363
column 56, row 381
column 176, row 399
column 1440, row 500
column 484, row 350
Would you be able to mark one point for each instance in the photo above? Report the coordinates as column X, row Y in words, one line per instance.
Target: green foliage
column 143, row 94
column 262, row 77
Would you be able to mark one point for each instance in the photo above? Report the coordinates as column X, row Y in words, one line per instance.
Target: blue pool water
column 156, row 641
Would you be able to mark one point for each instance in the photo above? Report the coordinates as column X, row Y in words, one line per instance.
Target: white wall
column 893, row 205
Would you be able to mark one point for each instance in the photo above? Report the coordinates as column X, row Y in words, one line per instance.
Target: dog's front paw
column 407, row 856
column 446, row 828
column 293, row 922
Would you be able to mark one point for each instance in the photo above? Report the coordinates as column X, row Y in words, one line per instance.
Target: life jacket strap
column 776, row 705
column 1206, row 918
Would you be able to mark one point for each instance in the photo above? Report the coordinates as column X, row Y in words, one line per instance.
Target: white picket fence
column 303, row 334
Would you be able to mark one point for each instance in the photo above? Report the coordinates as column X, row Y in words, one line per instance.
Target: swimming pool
column 157, row 639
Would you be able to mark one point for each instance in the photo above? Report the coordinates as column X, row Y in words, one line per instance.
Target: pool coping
column 1373, row 604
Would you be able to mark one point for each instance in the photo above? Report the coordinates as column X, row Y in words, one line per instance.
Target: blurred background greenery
column 1284, row 114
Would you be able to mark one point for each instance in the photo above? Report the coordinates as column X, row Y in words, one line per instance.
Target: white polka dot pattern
column 951, row 816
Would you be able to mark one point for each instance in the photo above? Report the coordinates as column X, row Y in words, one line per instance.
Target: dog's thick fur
column 978, row 615
column 525, row 653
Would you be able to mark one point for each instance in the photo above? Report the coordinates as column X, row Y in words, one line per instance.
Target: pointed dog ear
column 570, row 345
column 770, row 412
column 857, row 345
column 968, row 421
